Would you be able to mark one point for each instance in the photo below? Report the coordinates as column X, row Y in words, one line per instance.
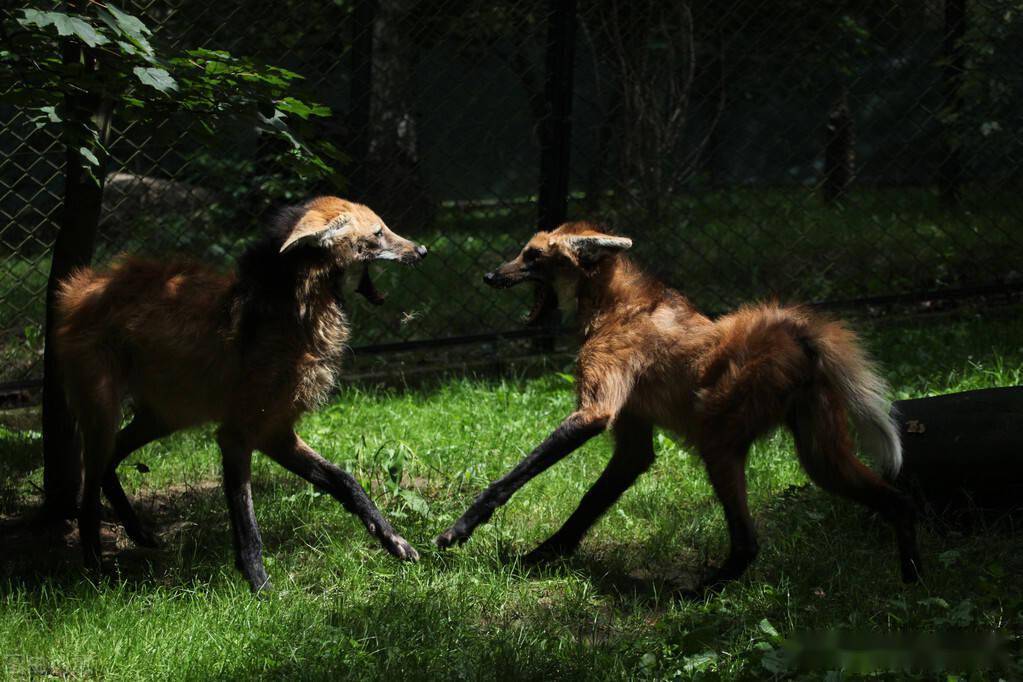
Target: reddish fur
column 648, row 351
column 250, row 350
column 163, row 331
column 649, row 358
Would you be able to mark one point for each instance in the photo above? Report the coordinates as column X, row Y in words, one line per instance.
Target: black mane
column 270, row 283
column 263, row 263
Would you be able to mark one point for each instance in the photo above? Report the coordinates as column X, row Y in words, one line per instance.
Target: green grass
column 343, row 609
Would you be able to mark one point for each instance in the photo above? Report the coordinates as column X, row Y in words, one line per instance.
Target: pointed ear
column 589, row 249
column 313, row 228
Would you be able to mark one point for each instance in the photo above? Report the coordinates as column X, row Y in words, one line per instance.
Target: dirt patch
column 33, row 548
column 19, row 418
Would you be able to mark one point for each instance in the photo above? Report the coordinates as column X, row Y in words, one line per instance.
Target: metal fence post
column 556, row 136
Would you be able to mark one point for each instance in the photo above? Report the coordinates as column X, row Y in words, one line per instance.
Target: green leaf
column 215, row 66
column 127, row 47
column 301, row 109
column 51, row 115
column 219, row 55
column 155, row 77
column 129, row 27
column 88, row 155
column 415, row 501
column 67, row 25
column 699, row 662
column 85, row 32
column 766, row 628
column 33, row 17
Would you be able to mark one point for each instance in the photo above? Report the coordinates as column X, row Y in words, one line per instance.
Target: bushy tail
column 854, row 376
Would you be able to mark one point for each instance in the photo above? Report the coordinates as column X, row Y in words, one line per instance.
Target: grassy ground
column 344, row 609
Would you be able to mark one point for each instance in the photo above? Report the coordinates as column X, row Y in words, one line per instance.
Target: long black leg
column 248, row 545
column 89, row 509
column 726, row 468
column 293, row 454
column 578, row 428
column 826, row 451
column 97, row 426
column 143, row 428
column 633, row 455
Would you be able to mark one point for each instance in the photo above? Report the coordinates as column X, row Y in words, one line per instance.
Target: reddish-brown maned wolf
column 251, row 351
column 649, row 358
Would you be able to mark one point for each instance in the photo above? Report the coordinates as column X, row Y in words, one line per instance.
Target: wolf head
column 349, row 232
column 557, row 260
column 349, row 236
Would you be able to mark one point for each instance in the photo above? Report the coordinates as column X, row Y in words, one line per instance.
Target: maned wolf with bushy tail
column 251, row 351
column 649, row 358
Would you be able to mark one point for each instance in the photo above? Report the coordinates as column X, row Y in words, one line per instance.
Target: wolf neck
column 615, row 288
column 277, row 289
column 566, row 290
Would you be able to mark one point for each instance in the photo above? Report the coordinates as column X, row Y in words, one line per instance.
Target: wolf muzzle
column 499, row 280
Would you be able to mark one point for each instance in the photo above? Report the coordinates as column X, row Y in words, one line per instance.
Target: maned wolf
column 251, row 351
column 649, row 358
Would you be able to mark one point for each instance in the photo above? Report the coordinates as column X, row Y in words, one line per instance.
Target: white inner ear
column 592, row 246
column 335, row 228
column 321, row 236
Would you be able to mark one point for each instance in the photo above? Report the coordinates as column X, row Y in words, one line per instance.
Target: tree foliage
column 115, row 61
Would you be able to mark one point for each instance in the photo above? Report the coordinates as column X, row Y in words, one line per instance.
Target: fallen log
column 963, row 450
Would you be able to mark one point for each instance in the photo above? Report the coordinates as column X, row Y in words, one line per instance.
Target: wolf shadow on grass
column 191, row 522
column 811, row 544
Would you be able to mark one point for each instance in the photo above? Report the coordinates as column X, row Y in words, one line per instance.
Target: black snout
column 421, row 251
column 489, row 278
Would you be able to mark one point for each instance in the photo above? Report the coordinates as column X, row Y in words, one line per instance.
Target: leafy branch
column 114, row 62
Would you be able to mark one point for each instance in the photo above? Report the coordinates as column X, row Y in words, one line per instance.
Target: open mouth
column 543, row 298
column 367, row 289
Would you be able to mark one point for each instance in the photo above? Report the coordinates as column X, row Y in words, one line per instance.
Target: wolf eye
column 379, row 231
column 531, row 255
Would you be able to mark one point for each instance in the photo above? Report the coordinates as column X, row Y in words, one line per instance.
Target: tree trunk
column 950, row 170
column 839, row 149
column 360, row 114
column 395, row 187
column 83, row 200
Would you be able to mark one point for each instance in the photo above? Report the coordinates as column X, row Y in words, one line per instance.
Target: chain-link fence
column 829, row 151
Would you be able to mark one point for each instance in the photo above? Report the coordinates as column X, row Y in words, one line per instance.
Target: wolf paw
column 457, row 534
column 545, row 554
column 399, row 547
